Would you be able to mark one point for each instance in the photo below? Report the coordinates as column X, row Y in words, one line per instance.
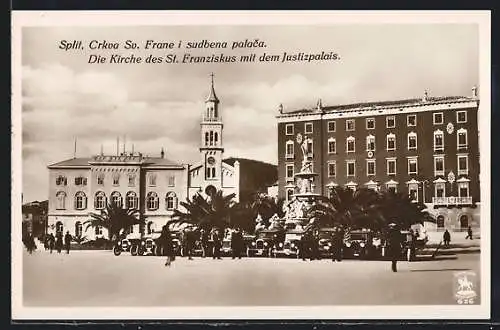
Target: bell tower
column 211, row 148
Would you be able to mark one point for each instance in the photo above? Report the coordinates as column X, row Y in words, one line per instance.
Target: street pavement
column 98, row 278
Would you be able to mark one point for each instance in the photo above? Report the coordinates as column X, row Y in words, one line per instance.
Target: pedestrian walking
column 217, row 244
column 46, row 242
column 67, row 241
column 30, row 244
column 394, row 242
column 59, row 241
column 167, row 246
column 469, row 233
column 337, row 245
column 52, row 241
column 303, row 247
column 446, row 238
column 314, row 246
column 204, row 243
column 236, row 243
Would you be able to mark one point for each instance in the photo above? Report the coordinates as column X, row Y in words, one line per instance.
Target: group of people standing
column 210, row 243
column 57, row 242
column 51, row 242
column 309, row 247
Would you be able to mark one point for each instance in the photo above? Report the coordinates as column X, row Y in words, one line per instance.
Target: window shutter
column 175, row 202
column 76, row 202
column 85, row 201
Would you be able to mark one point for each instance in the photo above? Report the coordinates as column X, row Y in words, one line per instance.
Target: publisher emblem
column 465, row 288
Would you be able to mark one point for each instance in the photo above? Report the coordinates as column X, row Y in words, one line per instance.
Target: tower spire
column 212, row 97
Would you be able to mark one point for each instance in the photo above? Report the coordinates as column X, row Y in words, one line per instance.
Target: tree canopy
column 114, row 219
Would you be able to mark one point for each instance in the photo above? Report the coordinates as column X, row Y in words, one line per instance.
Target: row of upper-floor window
column 412, row 143
column 129, row 202
column 391, row 166
column 62, row 180
column 390, row 122
column 440, row 190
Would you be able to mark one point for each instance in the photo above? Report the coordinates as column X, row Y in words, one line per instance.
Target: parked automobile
column 126, row 244
column 262, row 244
column 226, row 249
column 176, row 242
column 325, row 238
column 122, row 245
column 290, row 244
column 360, row 245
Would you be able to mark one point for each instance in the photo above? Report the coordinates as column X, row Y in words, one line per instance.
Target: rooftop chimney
column 426, row 95
column 474, row 92
column 162, row 153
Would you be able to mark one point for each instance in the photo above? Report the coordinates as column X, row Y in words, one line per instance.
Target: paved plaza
column 98, row 278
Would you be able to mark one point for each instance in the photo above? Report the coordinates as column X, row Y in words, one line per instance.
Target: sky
column 160, row 105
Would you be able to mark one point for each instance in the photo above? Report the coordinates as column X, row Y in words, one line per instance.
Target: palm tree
column 206, row 213
column 346, row 208
column 400, row 209
column 115, row 219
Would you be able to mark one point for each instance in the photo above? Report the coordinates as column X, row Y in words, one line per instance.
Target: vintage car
column 123, row 245
column 408, row 239
column 412, row 238
column 262, row 244
column 226, row 249
column 325, row 236
column 126, row 244
column 176, row 242
column 360, row 245
column 147, row 246
column 290, row 245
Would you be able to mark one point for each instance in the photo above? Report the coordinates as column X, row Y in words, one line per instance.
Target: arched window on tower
column 216, row 138
column 213, row 172
column 211, row 138
column 215, row 112
column 206, row 139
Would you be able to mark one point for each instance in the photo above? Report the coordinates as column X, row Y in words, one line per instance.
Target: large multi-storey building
column 426, row 147
column 152, row 185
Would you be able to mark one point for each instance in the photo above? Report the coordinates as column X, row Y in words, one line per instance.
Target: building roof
column 381, row 104
column 158, row 161
column 144, row 161
column 73, row 162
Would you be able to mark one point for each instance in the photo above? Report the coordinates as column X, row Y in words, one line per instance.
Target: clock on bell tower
column 211, row 137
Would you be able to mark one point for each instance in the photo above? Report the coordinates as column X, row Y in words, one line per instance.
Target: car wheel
column 134, row 250
column 117, row 251
column 141, row 251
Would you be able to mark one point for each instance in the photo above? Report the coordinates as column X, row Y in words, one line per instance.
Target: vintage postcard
column 251, row 165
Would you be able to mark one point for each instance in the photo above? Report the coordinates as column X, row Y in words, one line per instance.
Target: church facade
column 154, row 185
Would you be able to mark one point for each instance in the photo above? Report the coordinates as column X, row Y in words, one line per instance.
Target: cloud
column 159, row 106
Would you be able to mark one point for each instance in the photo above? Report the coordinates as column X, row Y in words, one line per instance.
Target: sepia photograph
column 251, row 165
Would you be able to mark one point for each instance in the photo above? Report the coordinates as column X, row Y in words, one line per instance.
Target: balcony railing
column 209, row 119
column 452, row 200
